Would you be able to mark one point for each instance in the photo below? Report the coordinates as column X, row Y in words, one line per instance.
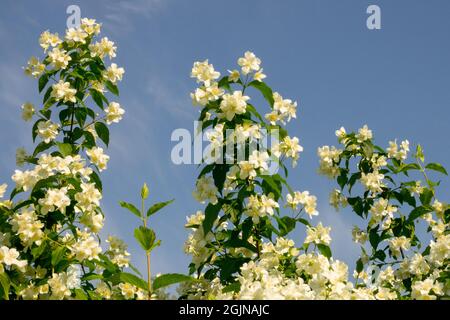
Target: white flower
column 233, row 104
column 205, row 190
column 283, row 108
column 29, row 228
column 318, row 234
column 329, row 157
column 128, row 290
column 88, row 199
column 114, row 113
column 341, row 133
column 103, row 48
column 86, row 248
column 34, row 68
column 247, row 170
column 113, row 73
column 399, row 243
column 373, row 181
column 9, row 256
column 76, row 35
column 308, row 201
column 98, row 157
column 289, row 147
column 55, row 199
column 359, row 236
column 364, row 134
column 259, row 76
column 27, row 111
column 90, row 26
column 394, row 152
column 337, row 199
column 260, row 206
column 21, row 157
column 59, row 58
column 259, row 160
column 234, row 75
column 249, row 62
column 381, row 209
column 421, row 290
column 49, row 39
column 63, row 91
column 204, row 72
column 47, row 130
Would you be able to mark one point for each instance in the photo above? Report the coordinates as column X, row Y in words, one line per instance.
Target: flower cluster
column 394, row 208
column 243, row 192
column 49, row 244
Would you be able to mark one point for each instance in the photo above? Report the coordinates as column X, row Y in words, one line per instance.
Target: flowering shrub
column 394, row 208
column 239, row 247
column 49, row 243
column 239, row 244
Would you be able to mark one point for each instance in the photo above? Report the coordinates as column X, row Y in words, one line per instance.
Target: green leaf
column 436, row 167
column 224, row 83
column 359, row 265
column 324, row 250
column 264, row 89
column 169, row 279
column 134, row 280
column 418, row 212
column 211, row 214
column 97, row 97
column 42, row 146
column 219, row 175
column 35, row 127
column 112, row 88
column 374, row 237
column 131, row 208
column 426, row 196
column 80, row 295
column 102, row 131
column 94, row 177
column 145, row 237
column 253, row 110
column 43, row 80
column 5, row 282
column 269, row 185
column 65, row 148
column 285, row 225
column 234, row 287
column 58, row 255
column 158, row 206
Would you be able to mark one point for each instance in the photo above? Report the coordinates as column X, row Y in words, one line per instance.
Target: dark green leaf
column 211, row 214
column 131, row 208
column 112, row 88
column 169, row 279
column 134, row 280
column 145, row 237
column 264, row 89
column 158, row 206
column 102, row 131
column 64, row 148
column 43, row 80
column 58, row 255
column 436, row 167
column 324, row 250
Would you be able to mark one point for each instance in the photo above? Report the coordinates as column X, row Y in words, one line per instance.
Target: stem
column 71, row 124
column 147, row 253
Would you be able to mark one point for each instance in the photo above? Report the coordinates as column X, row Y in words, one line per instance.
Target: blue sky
column 317, row 52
